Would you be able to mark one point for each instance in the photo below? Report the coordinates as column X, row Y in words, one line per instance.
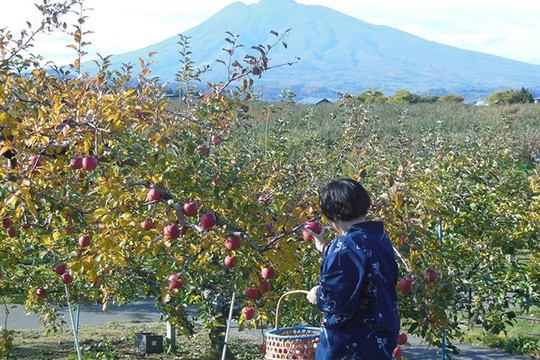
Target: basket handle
column 281, row 298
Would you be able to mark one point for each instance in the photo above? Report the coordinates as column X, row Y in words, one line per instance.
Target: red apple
column 233, row 242
column 229, row 261
column 147, row 225
column 172, row 232
column 204, row 150
column 405, row 284
column 41, row 293
column 268, row 272
column 60, row 268
column 431, row 275
column 402, row 338
column 67, row 278
column 81, row 175
column 11, row 232
column 263, row 199
column 248, row 313
column 252, row 293
column 153, row 195
column 6, row 222
column 397, row 353
column 85, row 240
column 176, row 281
column 215, row 182
column 174, row 277
column 36, row 160
column 207, row 221
column 89, row 163
column 216, row 139
column 190, row 209
column 76, row 163
column 314, row 226
column 264, row 286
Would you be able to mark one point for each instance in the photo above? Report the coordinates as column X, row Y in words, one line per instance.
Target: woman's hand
column 318, row 239
column 312, row 295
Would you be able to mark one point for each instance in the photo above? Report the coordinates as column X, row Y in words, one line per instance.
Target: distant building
column 323, row 101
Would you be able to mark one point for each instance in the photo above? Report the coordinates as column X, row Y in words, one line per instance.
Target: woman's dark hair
column 344, row 199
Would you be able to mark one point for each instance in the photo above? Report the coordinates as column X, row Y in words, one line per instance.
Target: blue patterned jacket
column 357, row 295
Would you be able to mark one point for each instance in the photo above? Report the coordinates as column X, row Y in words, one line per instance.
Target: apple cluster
column 87, row 163
column 405, row 285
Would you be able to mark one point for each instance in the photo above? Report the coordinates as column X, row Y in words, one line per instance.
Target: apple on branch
column 176, row 281
column 402, row 338
column 431, row 275
column 405, row 285
column 89, row 163
column 190, row 209
column 208, row 220
column 6, row 222
column 264, row 286
column 76, row 163
column 248, row 313
column 252, row 293
column 171, row 232
column 35, row 160
column 229, row 261
column 147, row 225
column 216, row 139
column 397, row 353
column 153, row 195
column 233, row 242
column 60, row 268
column 67, row 278
column 85, row 240
column 41, row 293
column 268, row 272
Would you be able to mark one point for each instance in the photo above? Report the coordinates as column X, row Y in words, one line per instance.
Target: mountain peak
column 339, row 53
column 277, row 4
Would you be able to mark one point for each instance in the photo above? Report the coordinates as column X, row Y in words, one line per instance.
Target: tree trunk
column 217, row 339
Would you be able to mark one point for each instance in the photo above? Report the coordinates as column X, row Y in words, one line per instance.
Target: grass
column 116, row 340
column 522, row 338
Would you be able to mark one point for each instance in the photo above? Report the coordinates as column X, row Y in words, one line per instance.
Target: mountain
column 337, row 53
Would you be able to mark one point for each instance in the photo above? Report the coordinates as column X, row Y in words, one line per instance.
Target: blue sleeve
column 339, row 293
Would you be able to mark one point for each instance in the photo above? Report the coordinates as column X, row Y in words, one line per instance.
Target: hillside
column 339, row 53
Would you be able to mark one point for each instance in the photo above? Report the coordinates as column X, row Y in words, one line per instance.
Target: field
column 415, row 130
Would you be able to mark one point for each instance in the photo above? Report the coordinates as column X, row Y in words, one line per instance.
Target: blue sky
column 506, row 28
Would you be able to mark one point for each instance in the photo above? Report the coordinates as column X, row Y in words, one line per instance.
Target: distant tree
column 430, row 99
column 372, row 96
column 404, row 97
column 506, row 97
column 455, row 98
column 524, row 96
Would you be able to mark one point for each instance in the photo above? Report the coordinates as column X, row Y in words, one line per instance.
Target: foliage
column 371, row 96
column 507, row 97
column 451, row 98
column 404, row 97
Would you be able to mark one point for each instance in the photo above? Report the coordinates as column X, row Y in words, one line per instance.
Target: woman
column 358, row 276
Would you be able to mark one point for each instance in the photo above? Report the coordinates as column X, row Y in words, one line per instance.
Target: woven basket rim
column 274, row 333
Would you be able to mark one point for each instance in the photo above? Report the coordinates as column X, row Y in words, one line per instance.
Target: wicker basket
column 298, row 342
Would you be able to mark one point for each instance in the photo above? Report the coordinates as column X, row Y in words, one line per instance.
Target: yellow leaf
column 165, row 296
column 11, row 200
